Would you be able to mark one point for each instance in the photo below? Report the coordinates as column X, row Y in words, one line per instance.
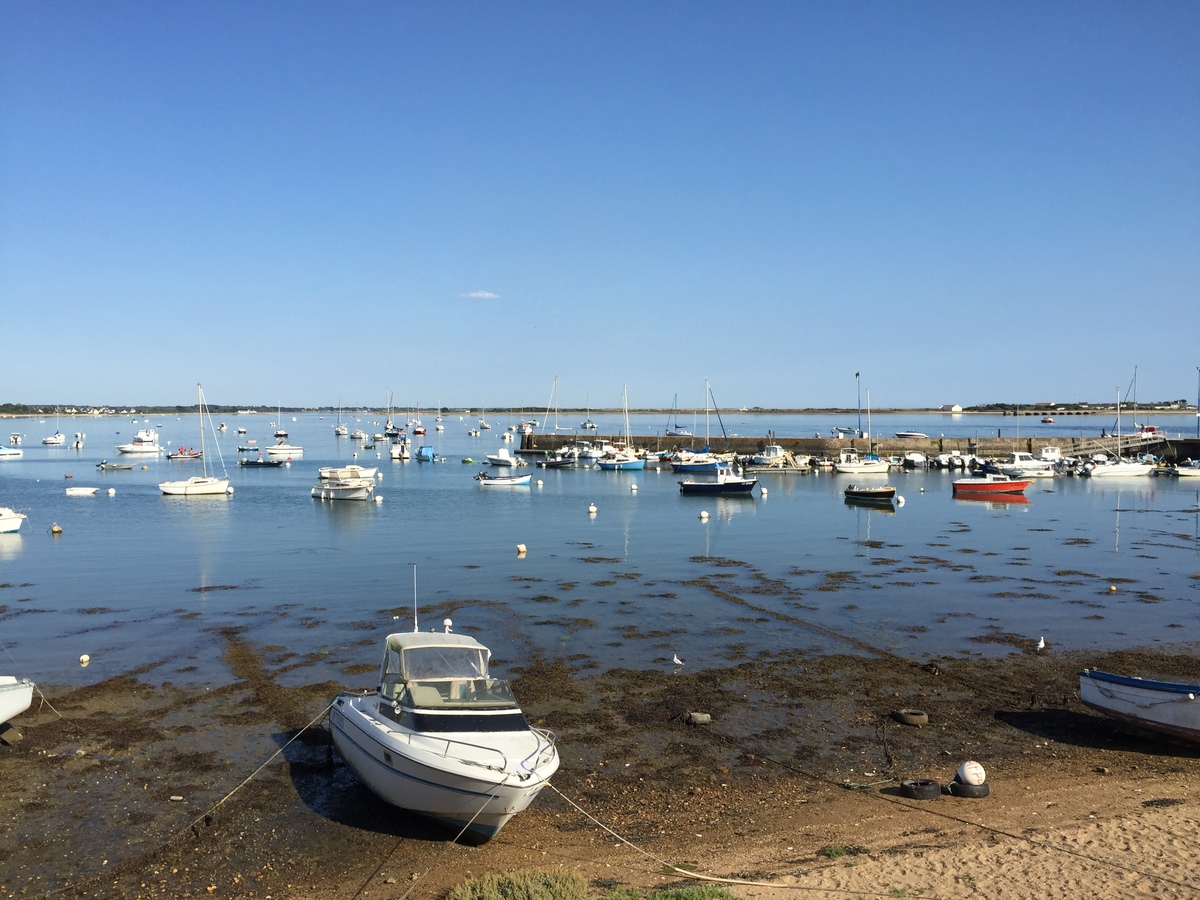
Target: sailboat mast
column 200, row 416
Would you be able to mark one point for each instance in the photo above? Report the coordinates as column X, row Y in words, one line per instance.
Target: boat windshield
column 424, row 663
column 460, row 693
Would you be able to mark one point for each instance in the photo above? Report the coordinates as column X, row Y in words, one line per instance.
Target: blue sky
column 455, row 202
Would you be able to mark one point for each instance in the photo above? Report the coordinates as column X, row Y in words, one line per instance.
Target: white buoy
column 112, row 492
column 84, row 660
column 539, row 482
column 592, row 510
column 899, row 501
column 764, row 492
column 633, row 488
column 704, row 515
column 520, row 549
column 378, row 499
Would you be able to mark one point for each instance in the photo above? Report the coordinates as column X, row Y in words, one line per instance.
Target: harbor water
column 144, row 583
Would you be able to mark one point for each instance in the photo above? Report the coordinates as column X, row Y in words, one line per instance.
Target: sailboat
column 623, row 459
column 280, row 431
column 705, row 461
column 673, row 429
column 587, row 424
column 58, row 438
column 554, row 405
column 199, row 485
column 1119, row 467
column 340, row 429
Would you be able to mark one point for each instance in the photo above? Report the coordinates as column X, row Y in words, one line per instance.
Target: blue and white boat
column 1164, row 707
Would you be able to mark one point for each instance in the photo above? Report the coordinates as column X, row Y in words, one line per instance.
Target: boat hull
column 15, row 697
column 420, row 772
column 729, row 486
column 621, row 465
column 989, row 486
column 10, row 520
column 196, row 487
column 503, row 480
column 1163, row 707
column 348, row 489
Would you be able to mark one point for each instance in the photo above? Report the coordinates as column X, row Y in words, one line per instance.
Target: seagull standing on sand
column 1041, row 644
column 676, row 660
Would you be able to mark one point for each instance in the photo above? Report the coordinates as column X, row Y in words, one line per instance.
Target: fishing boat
column 15, row 696
column 15, row 438
column 105, row 466
column 185, row 453
column 204, row 485
column 989, row 483
column 487, row 480
column 442, row 738
column 344, row 489
column 145, row 441
column 10, row 520
column 724, row 481
column 1021, row 464
column 1189, row 469
column 883, row 493
column 559, row 460
column 770, row 456
column 1164, row 707
column 503, row 458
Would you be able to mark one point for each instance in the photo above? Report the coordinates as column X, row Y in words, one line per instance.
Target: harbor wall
column 1186, row 448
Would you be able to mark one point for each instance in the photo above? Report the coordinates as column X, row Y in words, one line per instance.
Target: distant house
column 950, row 408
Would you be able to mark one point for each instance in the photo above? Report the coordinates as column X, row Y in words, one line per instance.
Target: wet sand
column 131, row 789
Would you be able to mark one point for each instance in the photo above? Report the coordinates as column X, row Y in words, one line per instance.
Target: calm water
column 142, row 581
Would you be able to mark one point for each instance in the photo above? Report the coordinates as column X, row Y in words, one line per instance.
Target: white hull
column 1166, row 707
column 11, row 453
column 344, row 489
column 82, row 491
column 866, row 467
column 196, row 487
column 10, row 520
column 1188, row 471
column 284, row 450
column 139, row 448
column 1120, row 470
column 15, row 697
column 481, row 778
column 341, row 473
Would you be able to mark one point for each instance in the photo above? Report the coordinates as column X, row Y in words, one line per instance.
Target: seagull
column 1041, row 644
column 676, row 660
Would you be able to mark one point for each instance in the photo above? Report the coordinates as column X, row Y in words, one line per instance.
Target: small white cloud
column 481, row 295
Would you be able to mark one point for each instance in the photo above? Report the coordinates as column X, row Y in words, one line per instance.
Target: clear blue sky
column 296, row 202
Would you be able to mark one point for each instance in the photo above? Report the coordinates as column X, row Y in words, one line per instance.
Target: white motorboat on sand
column 440, row 737
column 15, row 696
column 1166, row 707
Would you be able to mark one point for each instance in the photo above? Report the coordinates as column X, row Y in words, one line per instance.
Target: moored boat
column 82, row 491
column 344, row 489
column 283, row 448
column 989, row 484
column 850, row 463
column 883, row 493
column 334, row 473
column 10, row 520
column 145, row 441
column 204, row 485
column 723, row 481
column 911, row 435
column 487, row 480
column 1165, row 707
column 442, row 738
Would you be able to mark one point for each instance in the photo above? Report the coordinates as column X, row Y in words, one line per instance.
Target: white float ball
column 84, row 660
column 971, row 772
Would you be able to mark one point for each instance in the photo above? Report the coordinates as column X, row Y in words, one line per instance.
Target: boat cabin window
column 458, row 693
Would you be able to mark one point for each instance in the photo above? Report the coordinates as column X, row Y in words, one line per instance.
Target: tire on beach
column 974, row 791
column 914, row 717
column 920, row 789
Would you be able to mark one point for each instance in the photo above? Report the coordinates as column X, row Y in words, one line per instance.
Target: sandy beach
column 127, row 789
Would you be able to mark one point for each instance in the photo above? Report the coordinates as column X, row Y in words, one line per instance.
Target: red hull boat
column 990, row 484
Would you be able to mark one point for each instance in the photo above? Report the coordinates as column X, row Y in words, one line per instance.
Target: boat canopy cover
column 432, row 655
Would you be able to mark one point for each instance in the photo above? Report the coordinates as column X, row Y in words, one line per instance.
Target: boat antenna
column 416, row 627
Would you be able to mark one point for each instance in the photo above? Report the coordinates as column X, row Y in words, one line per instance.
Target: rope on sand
column 714, row 878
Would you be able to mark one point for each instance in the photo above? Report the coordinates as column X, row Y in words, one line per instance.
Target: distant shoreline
column 1021, row 412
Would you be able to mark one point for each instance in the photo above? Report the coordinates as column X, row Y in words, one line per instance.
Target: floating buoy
column 899, row 501
column 704, row 515
column 633, row 488
column 764, row 492
column 1112, row 588
column 84, row 660
column 112, row 492
column 144, row 468
column 520, row 549
column 56, row 528
column 922, row 490
column 539, row 482
column 378, row 499
column 592, row 510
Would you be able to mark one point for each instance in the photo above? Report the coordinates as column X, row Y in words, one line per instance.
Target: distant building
column 950, row 408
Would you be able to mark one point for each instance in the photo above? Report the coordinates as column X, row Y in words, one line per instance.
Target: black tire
column 974, row 791
column 921, row 789
column 915, row 717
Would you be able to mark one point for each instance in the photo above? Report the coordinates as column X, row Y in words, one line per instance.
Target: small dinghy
column 487, row 480
column 1165, row 707
column 441, row 737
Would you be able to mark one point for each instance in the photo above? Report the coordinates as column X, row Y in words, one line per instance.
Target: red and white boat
column 989, row 483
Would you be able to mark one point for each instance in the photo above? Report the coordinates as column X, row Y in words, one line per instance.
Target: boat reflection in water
column 885, row 506
column 997, row 500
